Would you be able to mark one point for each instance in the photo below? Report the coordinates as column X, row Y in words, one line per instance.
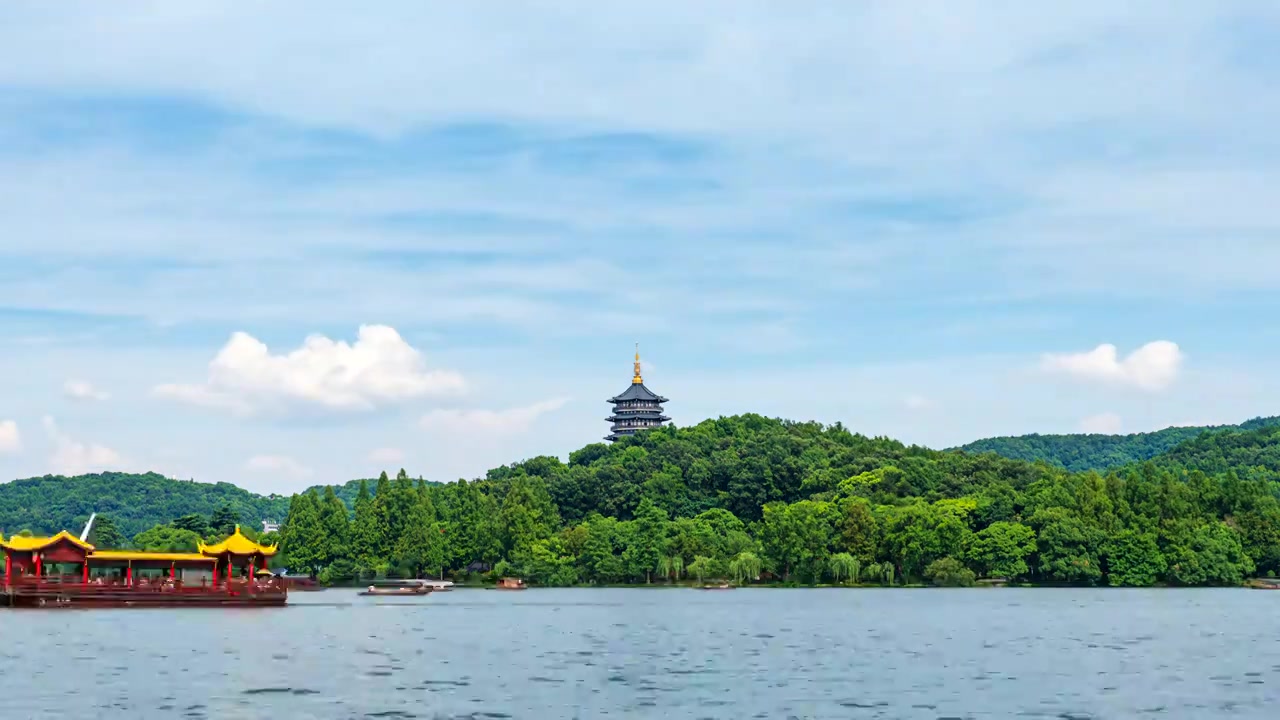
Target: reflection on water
column 660, row 653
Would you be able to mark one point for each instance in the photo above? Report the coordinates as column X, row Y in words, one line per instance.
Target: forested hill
column 1082, row 452
column 133, row 502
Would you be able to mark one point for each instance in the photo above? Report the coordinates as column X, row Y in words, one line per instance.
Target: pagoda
column 635, row 409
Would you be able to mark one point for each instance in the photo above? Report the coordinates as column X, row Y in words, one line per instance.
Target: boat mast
column 84, row 534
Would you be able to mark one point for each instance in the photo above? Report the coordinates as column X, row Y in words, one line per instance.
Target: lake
column 661, row 653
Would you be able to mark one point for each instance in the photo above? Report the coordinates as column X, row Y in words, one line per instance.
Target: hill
column 1081, row 452
column 133, row 502
column 747, row 497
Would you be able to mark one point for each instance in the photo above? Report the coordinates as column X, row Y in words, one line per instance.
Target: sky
column 305, row 244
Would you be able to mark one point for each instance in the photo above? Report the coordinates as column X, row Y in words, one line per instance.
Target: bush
column 949, row 572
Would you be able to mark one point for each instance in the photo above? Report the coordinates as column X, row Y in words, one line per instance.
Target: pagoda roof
column 237, row 544
column 19, row 543
column 143, row 555
column 638, row 391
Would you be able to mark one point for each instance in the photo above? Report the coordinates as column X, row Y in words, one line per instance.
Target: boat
column 1265, row 584
column 65, row 571
column 439, row 585
column 721, row 586
column 508, row 583
column 397, row 588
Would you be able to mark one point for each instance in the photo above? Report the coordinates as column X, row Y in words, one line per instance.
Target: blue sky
column 921, row 220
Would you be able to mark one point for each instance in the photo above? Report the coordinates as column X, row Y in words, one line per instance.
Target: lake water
column 660, row 653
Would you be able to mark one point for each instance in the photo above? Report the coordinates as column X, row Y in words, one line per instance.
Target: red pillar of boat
column 37, row 564
column 85, row 574
column 8, row 568
column 171, row 573
column 128, row 575
column 228, row 574
column 249, row 583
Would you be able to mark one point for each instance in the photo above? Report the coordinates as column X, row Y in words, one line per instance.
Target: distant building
column 270, row 526
column 637, row 408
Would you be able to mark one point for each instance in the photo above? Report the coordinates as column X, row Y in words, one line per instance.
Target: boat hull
column 108, row 597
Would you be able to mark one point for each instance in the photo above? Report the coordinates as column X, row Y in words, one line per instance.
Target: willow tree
column 745, row 567
column 845, row 566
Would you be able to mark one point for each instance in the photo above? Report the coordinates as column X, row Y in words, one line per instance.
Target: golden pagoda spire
column 636, row 380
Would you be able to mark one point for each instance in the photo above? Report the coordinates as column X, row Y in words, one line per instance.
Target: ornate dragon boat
column 65, row 571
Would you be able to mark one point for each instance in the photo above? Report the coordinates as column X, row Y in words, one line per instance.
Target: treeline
column 1082, row 452
column 134, row 502
column 749, row 498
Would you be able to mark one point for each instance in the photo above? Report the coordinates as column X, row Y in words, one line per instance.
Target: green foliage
column 1078, row 453
column 949, row 572
column 749, row 498
column 167, row 538
column 103, row 535
column 1001, row 550
column 1133, row 558
column 135, row 502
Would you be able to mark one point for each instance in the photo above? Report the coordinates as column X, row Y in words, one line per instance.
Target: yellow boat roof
column 140, row 555
column 19, row 543
column 237, row 544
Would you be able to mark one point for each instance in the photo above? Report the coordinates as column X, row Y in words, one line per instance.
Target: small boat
column 395, row 588
column 1265, row 584
column 507, row 583
column 721, row 586
column 439, row 585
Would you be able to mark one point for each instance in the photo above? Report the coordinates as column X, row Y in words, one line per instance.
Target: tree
column 167, row 538
column 844, row 565
column 648, row 540
column 799, row 535
column 103, row 535
column 365, row 536
column 224, row 520
column 1001, row 549
column 303, row 542
column 336, row 528
column 949, row 572
column 420, row 545
column 701, row 567
column 745, row 567
column 1133, row 558
column 195, row 522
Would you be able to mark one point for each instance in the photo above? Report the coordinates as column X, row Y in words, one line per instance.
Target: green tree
column 103, row 535
column 701, row 567
column 799, row 535
column 224, row 520
column 195, row 522
column 648, row 540
column 365, row 536
column 1001, row 549
column 845, row 566
column 1133, row 558
column 336, row 528
column 949, row 572
column 303, row 541
column 745, row 568
column 167, row 538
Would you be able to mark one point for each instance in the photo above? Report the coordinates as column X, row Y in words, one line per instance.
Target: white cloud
column 10, row 438
column 1104, row 423
column 380, row 368
column 83, row 390
column 510, row 420
column 386, row 455
column 282, row 464
column 1153, row 366
column 74, row 457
